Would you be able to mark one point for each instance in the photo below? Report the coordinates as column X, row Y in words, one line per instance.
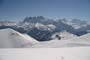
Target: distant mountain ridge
column 42, row 28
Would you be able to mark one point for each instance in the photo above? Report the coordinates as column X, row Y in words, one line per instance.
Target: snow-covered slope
column 85, row 37
column 10, row 38
column 64, row 35
column 59, row 44
column 76, row 53
column 73, row 42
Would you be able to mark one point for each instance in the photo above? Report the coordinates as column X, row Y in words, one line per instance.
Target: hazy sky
column 19, row 9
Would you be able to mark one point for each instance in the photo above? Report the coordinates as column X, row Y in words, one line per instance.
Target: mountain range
column 42, row 28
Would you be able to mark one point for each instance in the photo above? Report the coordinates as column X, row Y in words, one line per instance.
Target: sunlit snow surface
column 10, row 38
column 74, row 53
column 17, row 46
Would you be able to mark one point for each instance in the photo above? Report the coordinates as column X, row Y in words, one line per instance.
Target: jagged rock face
column 34, row 19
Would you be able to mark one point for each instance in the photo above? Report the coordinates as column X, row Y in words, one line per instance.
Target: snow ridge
column 10, row 38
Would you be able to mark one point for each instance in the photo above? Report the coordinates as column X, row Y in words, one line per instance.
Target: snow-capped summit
column 10, row 38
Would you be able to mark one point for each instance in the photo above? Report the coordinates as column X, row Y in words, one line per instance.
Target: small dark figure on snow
column 59, row 38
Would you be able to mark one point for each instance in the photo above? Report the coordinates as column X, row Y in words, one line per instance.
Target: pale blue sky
column 19, row 9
